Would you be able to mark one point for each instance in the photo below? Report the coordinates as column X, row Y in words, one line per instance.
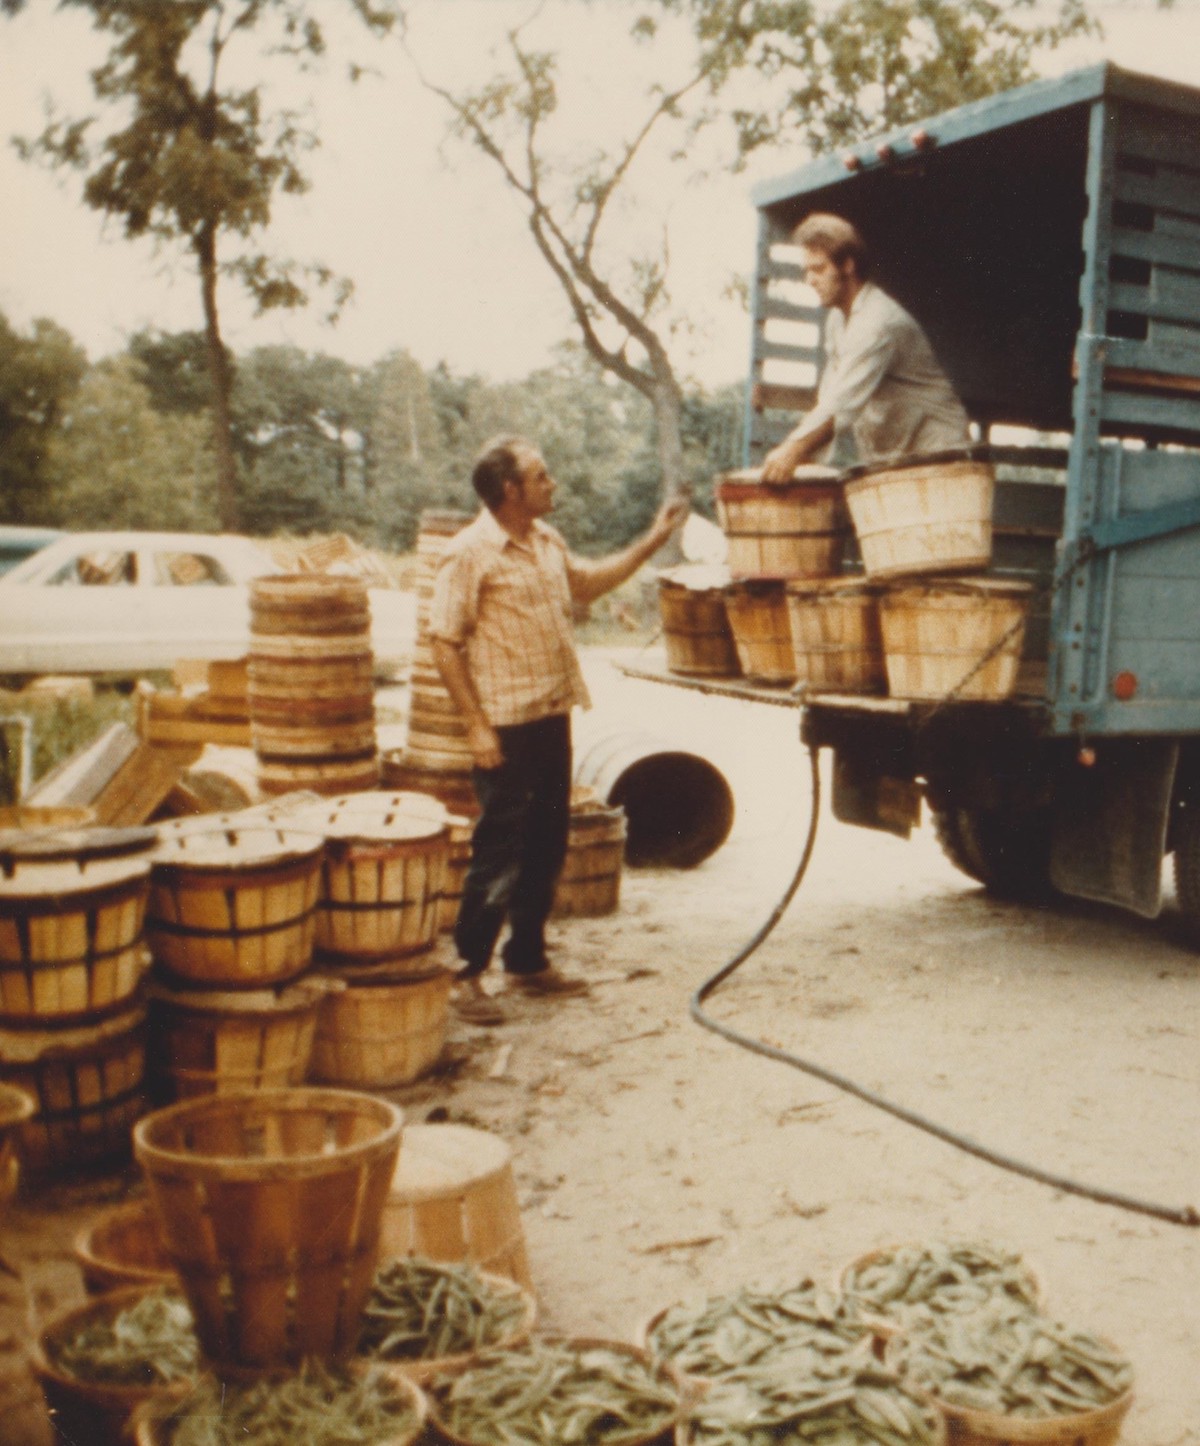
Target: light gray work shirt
column 882, row 386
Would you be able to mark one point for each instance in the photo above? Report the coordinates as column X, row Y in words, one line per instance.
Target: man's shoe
column 547, row 981
column 473, row 1006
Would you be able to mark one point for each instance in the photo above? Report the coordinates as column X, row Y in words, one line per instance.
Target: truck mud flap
column 871, row 799
column 1110, row 824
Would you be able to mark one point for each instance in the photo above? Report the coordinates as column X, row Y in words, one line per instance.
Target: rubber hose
column 1175, row 1215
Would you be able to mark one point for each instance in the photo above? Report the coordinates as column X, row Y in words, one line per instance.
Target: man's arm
column 482, row 738
column 808, row 439
column 591, row 579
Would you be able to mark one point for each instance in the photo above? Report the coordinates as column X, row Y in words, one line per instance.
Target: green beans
column 1009, row 1361
column 316, row 1407
column 725, row 1332
column 844, row 1398
column 551, row 1393
column 422, row 1310
column 148, row 1344
column 942, row 1276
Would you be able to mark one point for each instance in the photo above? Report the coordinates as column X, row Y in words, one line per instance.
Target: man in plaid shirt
column 501, row 629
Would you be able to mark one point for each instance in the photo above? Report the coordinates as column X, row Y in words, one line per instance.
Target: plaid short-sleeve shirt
column 508, row 605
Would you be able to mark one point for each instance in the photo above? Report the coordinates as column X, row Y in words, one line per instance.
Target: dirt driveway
column 655, row 1160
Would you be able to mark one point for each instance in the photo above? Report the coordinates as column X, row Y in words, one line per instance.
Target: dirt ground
column 654, row 1160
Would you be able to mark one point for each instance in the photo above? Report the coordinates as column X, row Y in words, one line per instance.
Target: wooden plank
column 782, row 271
column 78, row 780
column 1178, row 251
column 1153, row 414
column 1172, row 295
column 134, row 794
column 774, row 308
column 225, row 733
column 1173, row 190
column 784, row 351
column 1158, row 136
column 777, row 397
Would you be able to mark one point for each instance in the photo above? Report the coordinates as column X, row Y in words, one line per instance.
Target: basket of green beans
column 1003, row 1374
column 559, row 1392
column 317, row 1405
column 96, row 1363
column 948, row 1277
column 424, row 1316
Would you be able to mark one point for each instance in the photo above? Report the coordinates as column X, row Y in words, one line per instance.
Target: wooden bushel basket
column 379, row 1035
column 71, row 921
column 234, row 907
column 923, row 514
column 16, row 1106
column 382, row 876
column 94, row 1412
column 453, row 1197
column 590, row 883
column 837, row 642
column 1101, row 1427
column 211, row 1042
column 695, row 626
column 120, row 1248
column 319, row 775
column 936, row 635
column 796, row 529
column 758, row 615
column 399, row 769
column 270, row 1204
column 89, row 1086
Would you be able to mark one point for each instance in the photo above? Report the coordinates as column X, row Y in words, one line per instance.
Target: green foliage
column 174, row 369
column 835, row 72
column 120, row 462
column 59, row 728
column 39, row 374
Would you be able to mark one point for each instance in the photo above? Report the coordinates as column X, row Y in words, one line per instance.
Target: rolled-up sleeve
column 455, row 603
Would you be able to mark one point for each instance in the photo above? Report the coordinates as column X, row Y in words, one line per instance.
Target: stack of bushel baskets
column 387, row 856
column 72, row 1012
column 901, row 605
column 924, row 526
column 231, row 926
column 310, row 684
column 436, row 759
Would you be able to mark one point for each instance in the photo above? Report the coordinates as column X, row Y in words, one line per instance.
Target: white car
column 132, row 602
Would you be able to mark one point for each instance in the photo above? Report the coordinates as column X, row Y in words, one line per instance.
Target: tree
column 39, row 374
column 833, row 72
column 920, row 55
column 189, row 161
column 118, row 462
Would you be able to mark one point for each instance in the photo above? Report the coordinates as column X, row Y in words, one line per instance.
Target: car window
column 96, row 569
column 188, row 569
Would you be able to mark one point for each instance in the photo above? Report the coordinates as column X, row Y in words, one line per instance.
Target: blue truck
column 1048, row 240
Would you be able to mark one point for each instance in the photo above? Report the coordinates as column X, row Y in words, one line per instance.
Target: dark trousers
column 518, row 847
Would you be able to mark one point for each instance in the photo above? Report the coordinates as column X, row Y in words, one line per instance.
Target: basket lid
column 30, row 1046
column 696, row 576
column 440, row 1158
column 37, row 877
column 73, row 843
column 303, row 994
column 232, row 846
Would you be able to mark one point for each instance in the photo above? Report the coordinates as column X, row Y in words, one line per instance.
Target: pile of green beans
column 557, row 1394
column 844, row 1398
column 422, row 1310
column 316, row 1407
column 941, row 1276
column 151, row 1343
column 726, row 1332
column 1010, row 1362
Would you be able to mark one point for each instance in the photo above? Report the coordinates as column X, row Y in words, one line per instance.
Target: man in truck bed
column 882, row 391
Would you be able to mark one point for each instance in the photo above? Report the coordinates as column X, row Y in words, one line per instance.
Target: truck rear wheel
column 1007, row 851
column 1186, row 837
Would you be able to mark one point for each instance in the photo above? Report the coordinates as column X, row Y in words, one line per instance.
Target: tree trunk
column 668, row 414
column 222, row 384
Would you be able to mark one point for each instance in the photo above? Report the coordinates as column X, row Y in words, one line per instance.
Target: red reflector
column 922, row 140
column 851, row 161
column 885, row 152
column 1124, row 686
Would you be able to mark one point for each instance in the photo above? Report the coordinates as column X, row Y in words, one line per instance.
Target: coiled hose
column 1174, row 1215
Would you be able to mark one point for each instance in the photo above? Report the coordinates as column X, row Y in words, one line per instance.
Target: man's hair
column 498, row 463
column 837, row 238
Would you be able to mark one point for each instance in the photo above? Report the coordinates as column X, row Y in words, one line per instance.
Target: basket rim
column 16, row 1105
column 160, row 1159
column 685, row 1385
column 174, row 854
column 1069, row 1425
column 86, row 1256
column 899, row 461
column 110, row 1303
